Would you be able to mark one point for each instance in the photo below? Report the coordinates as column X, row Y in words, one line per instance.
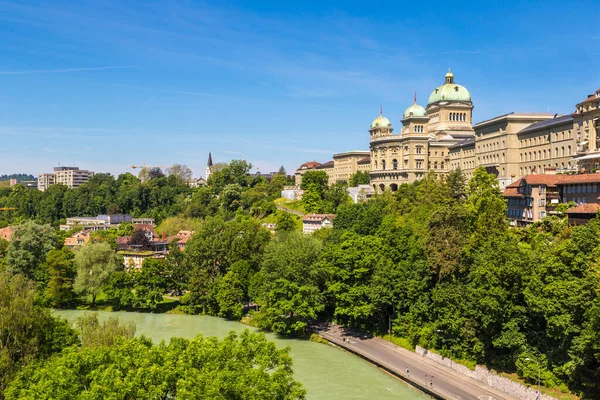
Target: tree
column 281, row 171
column 313, row 199
column 59, row 291
column 319, row 180
column 230, row 296
column 154, row 173
column 213, row 250
column 359, row 178
column 95, row 263
column 141, row 240
column 3, row 247
column 151, row 283
column 351, row 264
column 486, row 206
column 29, row 332
column 285, row 222
column 457, row 182
column 181, row 171
column 94, row 333
column 27, row 250
column 287, row 286
column 201, row 368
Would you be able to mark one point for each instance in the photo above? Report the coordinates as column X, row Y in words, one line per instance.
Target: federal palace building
column 441, row 137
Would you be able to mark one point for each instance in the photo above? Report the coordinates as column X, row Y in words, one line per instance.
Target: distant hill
column 18, row 177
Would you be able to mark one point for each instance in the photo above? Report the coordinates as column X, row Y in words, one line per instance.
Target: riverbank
column 424, row 374
column 326, row 372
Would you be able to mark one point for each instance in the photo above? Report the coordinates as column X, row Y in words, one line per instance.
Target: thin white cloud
column 183, row 92
column 63, row 70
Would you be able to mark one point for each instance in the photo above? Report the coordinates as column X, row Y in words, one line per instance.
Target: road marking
column 485, row 398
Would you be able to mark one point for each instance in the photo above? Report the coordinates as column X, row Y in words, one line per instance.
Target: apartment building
column 535, row 196
column 72, row 177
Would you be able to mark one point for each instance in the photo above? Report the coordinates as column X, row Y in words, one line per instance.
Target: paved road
column 289, row 210
column 440, row 381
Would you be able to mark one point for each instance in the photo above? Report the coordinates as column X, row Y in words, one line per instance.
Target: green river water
column 326, row 372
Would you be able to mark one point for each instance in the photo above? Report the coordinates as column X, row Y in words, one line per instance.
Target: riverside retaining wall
column 482, row 374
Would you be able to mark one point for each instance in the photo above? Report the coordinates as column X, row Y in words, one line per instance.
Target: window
column 419, row 150
column 395, row 164
column 383, row 165
column 419, row 164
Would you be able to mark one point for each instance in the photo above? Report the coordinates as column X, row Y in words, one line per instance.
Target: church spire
column 209, row 163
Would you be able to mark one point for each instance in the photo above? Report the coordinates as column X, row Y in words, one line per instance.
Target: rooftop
column 317, row 217
column 591, row 208
column 563, row 119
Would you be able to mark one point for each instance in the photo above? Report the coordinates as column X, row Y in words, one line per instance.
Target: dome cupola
column 449, row 91
column 381, row 121
column 414, row 111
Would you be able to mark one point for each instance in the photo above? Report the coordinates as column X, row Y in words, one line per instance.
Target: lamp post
column 390, row 322
column 539, row 373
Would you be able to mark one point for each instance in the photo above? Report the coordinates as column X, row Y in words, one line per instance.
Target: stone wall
column 482, row 374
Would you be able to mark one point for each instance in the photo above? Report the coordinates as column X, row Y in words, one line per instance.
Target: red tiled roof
column 181, row 236
column 591, row 208
column 365, row 160
column 542, row 179
column 6, row 233
column 515, row 184
column 591, row 97
column 511, row 192
column 554, row 180
column 317, row 217
column 579, row 178
column 309, row 165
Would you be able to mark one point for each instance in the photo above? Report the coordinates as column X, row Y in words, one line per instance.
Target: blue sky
column 105, row 85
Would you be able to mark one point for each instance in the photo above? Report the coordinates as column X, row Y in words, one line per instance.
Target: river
column 326, row 372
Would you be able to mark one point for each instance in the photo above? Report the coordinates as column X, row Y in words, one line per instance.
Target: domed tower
column 381, row 126
column 414, row 121
column 450, row 110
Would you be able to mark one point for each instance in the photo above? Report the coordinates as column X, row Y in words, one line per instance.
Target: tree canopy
column 238, row 367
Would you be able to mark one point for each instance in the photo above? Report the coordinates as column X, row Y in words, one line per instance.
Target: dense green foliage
column 94, row 333
column 319, row 197
column 359, row 178
column 158, row 196
column 27, row 332
column 436, row 258
column 238, row 367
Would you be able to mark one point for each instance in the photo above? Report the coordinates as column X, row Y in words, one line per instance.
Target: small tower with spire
column 209, row 166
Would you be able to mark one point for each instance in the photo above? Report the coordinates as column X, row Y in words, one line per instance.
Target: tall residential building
column 44, row 181
column 72, row 177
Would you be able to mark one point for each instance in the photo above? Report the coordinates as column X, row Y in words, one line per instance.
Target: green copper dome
column 381, row 122
column 449, row 91
column 414, row 111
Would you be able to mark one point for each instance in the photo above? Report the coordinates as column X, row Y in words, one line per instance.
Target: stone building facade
column 441, row 137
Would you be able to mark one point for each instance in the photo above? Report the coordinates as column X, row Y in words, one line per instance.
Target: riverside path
column 428, row 376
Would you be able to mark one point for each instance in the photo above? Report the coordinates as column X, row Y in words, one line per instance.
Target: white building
column 72, row 177
column 313, row 222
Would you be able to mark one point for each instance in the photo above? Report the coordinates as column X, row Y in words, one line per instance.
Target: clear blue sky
column 107, row 84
